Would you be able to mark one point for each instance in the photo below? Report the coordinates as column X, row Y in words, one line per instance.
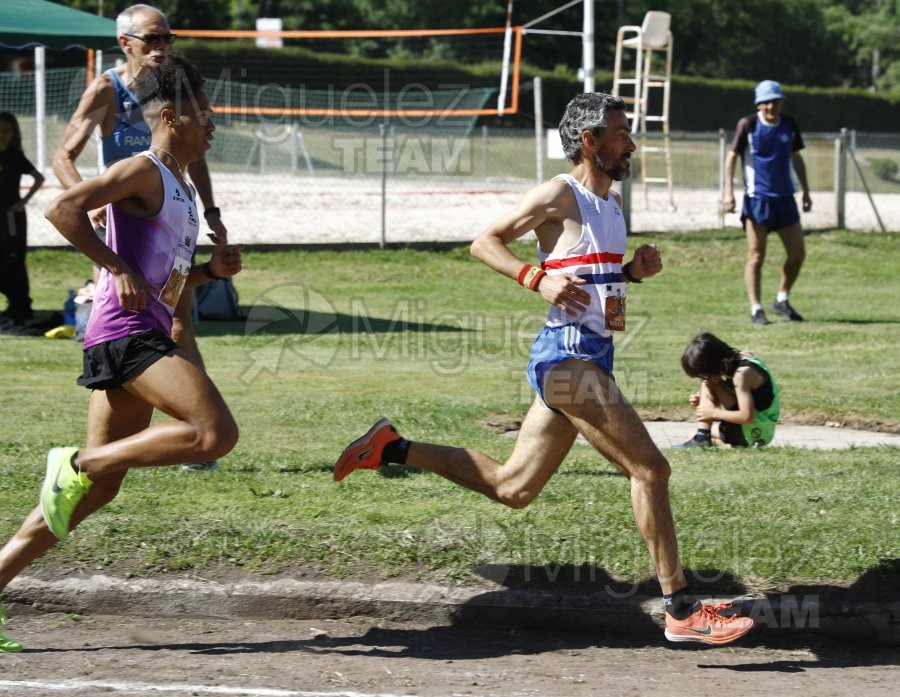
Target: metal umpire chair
column 654, row 35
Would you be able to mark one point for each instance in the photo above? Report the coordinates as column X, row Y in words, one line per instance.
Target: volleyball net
column 311, row 125
column 408, row 79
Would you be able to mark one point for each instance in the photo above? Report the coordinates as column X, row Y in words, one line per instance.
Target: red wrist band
column 536, row 280
column 523, row 272
column 532, row 277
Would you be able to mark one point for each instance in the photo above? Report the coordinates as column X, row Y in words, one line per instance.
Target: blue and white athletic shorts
column 554, row 345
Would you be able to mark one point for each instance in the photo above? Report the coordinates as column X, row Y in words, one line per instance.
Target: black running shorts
column 113, row 363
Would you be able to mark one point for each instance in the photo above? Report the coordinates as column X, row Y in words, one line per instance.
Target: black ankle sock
column 396, row 452
column 702, row 434
column 680, row 604
column 74, row 466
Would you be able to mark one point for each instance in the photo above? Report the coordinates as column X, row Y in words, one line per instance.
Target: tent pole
column 40, row 106
column 97, row 70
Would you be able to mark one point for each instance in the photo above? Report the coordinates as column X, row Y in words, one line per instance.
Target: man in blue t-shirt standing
column 768, row 143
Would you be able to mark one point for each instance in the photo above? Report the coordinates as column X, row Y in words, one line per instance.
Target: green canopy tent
column 25, row 23
column 42, row 24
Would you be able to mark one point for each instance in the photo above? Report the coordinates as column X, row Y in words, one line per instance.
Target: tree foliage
column 807, row 42
column 870, row 31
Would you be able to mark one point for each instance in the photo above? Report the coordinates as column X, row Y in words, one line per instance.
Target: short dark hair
column 585, row 112
column 166, row 84
column 707, row 354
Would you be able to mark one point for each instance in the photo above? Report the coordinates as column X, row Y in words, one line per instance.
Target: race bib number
column 614, row 307
column 174, row 286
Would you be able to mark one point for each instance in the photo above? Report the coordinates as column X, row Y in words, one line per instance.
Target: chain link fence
column 295, row 183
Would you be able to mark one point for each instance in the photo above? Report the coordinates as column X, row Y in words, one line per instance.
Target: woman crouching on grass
column 738, row 403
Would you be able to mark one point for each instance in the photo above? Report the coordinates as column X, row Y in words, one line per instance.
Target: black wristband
column 626, row 272
column 212, row 210
column 208, row 272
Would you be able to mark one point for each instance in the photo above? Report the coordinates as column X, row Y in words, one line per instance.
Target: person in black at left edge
column 13, row 224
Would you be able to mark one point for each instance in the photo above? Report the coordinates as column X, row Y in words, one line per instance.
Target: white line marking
column 133, row 687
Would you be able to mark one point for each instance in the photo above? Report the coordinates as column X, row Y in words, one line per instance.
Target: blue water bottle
column 69, row 309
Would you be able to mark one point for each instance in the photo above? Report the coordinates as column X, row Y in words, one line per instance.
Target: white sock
column 781, row 297
column 754, row 308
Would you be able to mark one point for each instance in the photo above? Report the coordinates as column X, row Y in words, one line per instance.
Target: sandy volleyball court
column 303, row 210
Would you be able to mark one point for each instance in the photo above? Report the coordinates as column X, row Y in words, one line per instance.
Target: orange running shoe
column 708, row 626
column 367, row 452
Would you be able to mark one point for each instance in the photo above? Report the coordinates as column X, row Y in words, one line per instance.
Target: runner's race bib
column 171, row 292
column 614, row 306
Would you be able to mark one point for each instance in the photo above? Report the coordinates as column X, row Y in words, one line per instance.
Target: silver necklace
column 166, row 152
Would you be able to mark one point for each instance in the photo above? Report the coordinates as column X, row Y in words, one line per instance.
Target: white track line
column 180, row 688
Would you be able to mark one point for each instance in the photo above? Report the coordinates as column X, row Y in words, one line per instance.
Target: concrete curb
column 638, row 616
column 667, row 434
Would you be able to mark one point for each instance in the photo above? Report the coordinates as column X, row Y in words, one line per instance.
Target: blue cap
column 767, row 91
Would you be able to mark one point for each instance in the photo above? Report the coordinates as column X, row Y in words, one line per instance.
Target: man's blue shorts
column 554, row 345
column 773, row 213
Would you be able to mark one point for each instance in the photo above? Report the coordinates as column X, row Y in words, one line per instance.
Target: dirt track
column 362, row 657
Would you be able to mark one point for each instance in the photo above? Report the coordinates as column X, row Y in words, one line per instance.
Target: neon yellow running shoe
column 62, row 490
column 7, row 645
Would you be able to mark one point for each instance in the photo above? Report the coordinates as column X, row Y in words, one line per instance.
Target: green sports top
column 762, row 430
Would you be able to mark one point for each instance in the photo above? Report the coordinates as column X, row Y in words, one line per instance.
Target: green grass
column 439, row 343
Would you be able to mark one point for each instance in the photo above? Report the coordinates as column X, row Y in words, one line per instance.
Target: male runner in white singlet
column 581, row 246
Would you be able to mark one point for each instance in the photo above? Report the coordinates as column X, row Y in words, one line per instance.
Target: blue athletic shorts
column 554, row 345
column 113, row 363
column 773, row 213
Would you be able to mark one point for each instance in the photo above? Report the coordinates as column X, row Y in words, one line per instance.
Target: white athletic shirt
column 596, row 257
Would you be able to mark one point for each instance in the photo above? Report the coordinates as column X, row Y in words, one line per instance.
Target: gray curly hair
column 585, row 112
